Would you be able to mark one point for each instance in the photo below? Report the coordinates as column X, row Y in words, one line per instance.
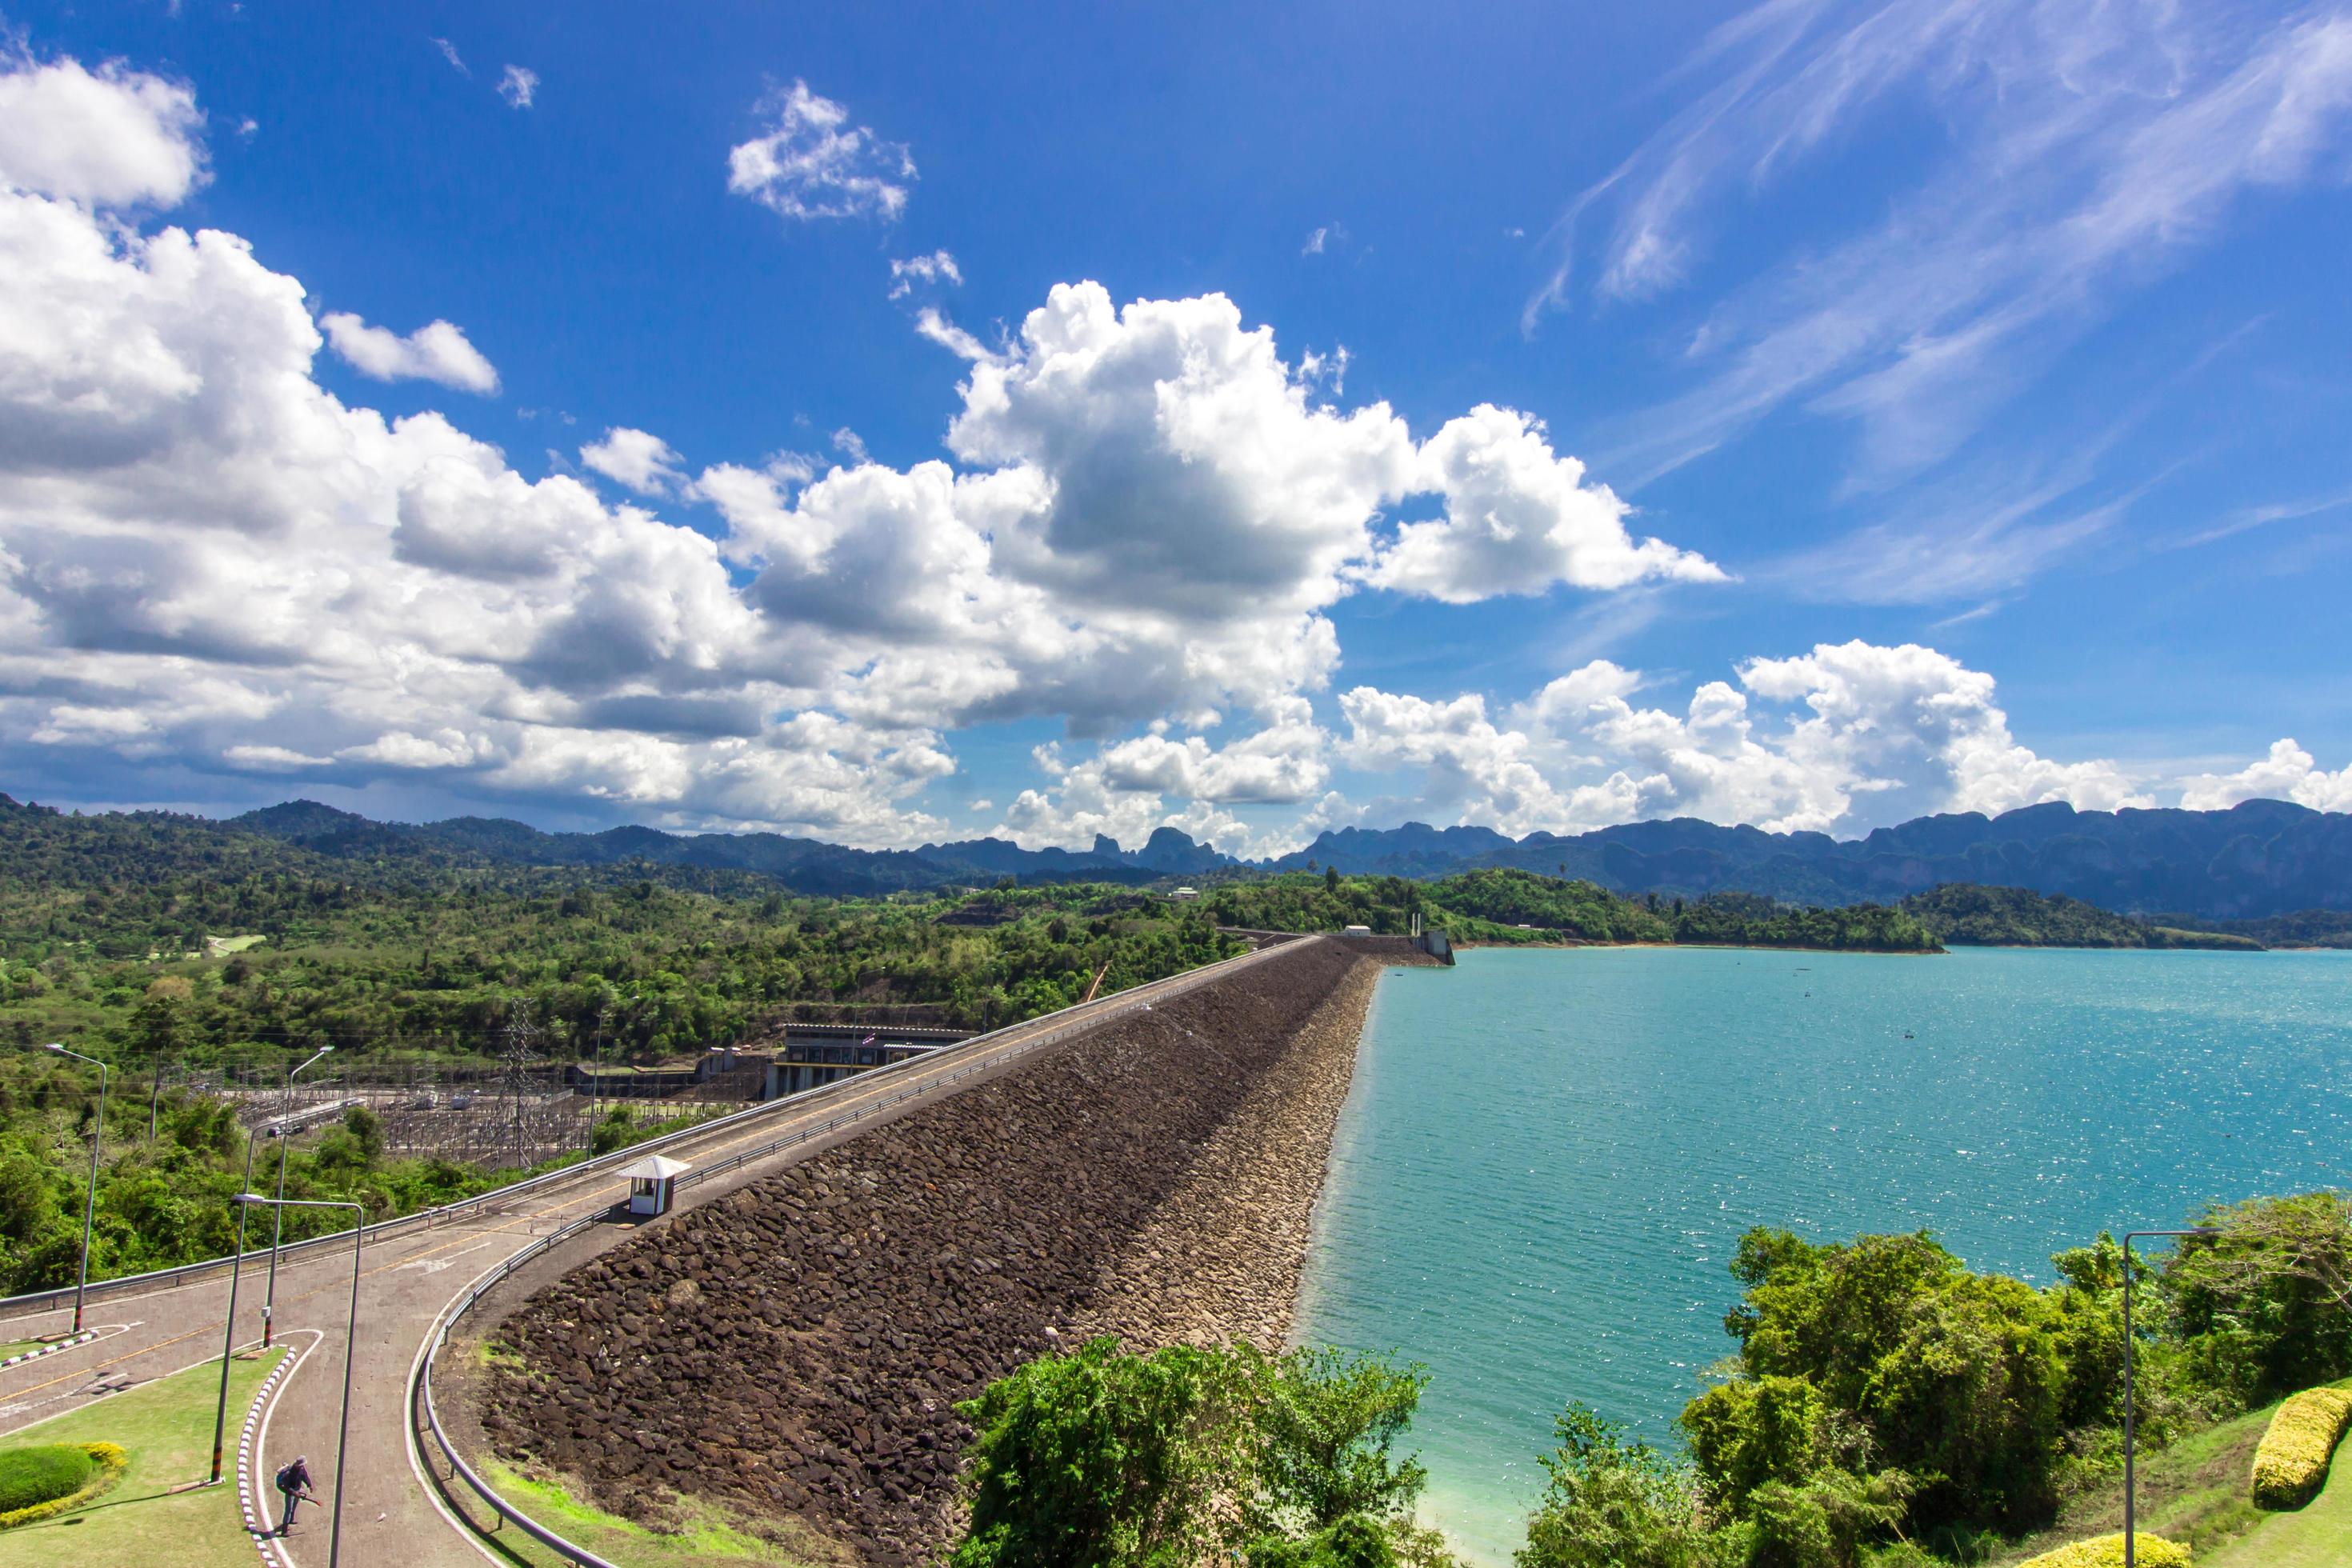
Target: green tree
column 1326, row 1423
column 1822, row 1520
column 1354, row 1541
column 2265, row 1307
column 1864, row 1365
column 1752, row 1433
column 366, row 1129
column 1100, row 1459
column 1614, row 1503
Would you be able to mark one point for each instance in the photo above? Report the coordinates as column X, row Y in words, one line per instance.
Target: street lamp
column 228, row 1334
column 351, row 1344
column 277, row 1216
column 2130, row 1409
column 89, row 1209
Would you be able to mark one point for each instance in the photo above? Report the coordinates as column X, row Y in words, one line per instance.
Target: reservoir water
column 1548, row 1155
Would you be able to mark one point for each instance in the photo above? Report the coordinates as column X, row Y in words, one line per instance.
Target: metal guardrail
column 420, row 1395
column 381, row 1230
column 421, row 1389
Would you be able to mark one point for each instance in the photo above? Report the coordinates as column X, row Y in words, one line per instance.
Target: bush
column 1902, row 1554
column 2107, row 1552
column 40, row 1482
column 2292, row 1463
column 2258, row 1309
column 1886, row 1358
column 1326, row 1423
column 1615, row 1503
column 1354, row 1541
column 1100, row 1459
column 30, row 1476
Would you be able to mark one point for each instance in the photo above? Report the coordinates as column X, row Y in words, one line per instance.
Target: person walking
column 294, row 1485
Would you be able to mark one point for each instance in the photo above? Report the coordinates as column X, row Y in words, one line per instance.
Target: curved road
column 407, row 1282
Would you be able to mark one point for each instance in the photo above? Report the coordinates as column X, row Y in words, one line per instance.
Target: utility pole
column 228, row 1332
column 89, row 1209
column 277, row 1214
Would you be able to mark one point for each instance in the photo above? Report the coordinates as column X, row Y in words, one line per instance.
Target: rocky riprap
column 795, row 1350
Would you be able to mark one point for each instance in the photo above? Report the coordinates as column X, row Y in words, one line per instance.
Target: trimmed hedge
column 2107, row 1552
column 30, row 1478
column 2291, row 1466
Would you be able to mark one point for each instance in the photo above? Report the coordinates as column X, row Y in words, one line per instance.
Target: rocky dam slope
column 794, row 1351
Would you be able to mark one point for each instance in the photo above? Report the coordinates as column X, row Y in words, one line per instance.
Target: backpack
column 286, row 1477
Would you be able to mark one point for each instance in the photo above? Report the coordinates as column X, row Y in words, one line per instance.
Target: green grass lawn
column 167, row 1427
column 2317, row 1536
column 2195, row 1492
column 2198, row 1492
column 700, row 1536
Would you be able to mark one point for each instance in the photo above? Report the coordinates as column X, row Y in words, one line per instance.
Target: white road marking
column 434, row 1264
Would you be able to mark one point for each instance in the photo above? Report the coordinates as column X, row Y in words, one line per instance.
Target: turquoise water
column 1548, row 1155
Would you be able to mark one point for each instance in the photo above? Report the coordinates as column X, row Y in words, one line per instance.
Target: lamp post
column 228, row 1334
column 2130, row 1409
column 89, row 1208
column 351, row 1346
column 277, row 1216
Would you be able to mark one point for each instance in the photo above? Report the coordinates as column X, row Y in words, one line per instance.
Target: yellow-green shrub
column 2107, row 1552
column 2292, row 1463
column 110, row 1462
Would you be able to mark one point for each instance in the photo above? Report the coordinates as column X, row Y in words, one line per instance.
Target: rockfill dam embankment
column 794, row 1351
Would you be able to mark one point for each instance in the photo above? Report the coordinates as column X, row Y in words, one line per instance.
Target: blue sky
column 1975, row 374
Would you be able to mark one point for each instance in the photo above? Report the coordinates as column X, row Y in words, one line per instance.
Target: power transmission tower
column 518, row 1048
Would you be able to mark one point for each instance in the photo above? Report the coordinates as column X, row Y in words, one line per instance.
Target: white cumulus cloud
column 812, row 163
column 2289, row 773
column 435, row 352
column 109, row 138
column 1519, row 518
column 1852, row 736
column 637, row 458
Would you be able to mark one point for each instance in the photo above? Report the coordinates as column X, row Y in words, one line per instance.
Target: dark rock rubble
column 796, row 1348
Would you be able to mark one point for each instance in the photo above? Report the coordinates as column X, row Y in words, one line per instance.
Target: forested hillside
column 1964, row 915
column 1498, row 906
column 138, row 935
column 2307, row 928
column 148, row 941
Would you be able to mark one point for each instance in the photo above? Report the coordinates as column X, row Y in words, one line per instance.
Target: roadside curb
column 256, row 1527
column 82, row 1338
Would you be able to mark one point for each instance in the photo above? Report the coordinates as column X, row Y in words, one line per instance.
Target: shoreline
column 1223, row 1258
column 1944, row 950
column 1578, row 941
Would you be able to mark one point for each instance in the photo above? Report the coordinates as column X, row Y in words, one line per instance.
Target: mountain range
column 2261, row 859
column 2258, row 859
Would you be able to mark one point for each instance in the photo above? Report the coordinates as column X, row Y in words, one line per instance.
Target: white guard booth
column 650, row 1180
